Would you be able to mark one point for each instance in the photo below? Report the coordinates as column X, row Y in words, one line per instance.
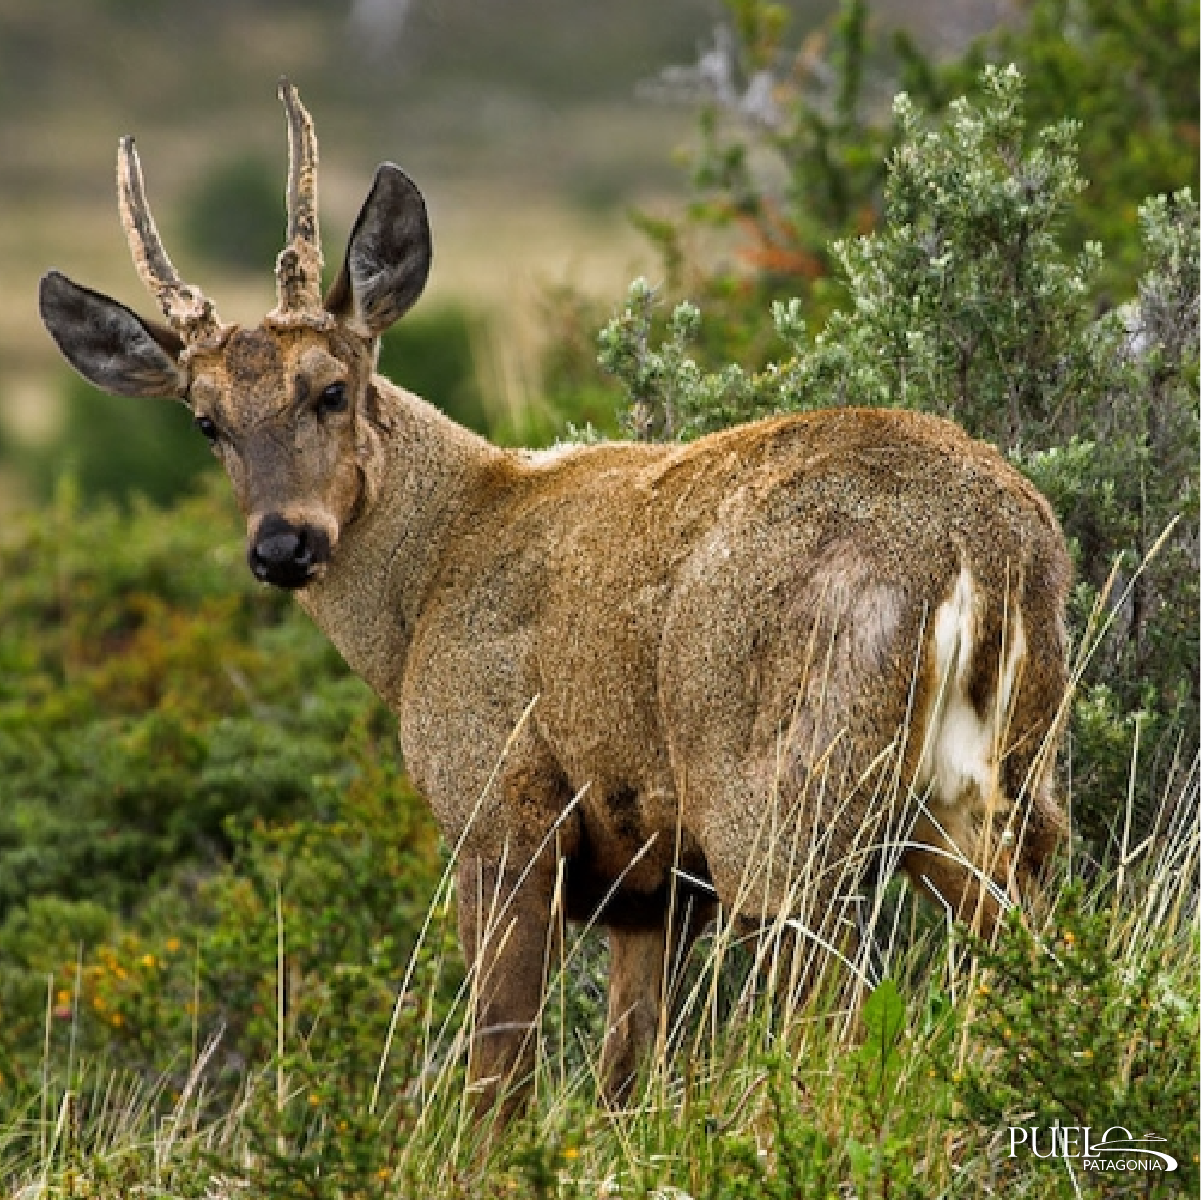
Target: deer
column 638, row 685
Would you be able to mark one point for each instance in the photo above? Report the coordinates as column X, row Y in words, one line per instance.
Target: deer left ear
column 109, row 344
column 388, row 257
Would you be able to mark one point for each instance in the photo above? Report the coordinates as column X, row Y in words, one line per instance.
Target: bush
column 235, row 215
column 1069, row 1034
column 794, row 144
column 176, row 742
column 115, row 449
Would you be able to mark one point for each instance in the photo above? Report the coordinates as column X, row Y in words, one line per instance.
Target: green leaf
column 884, row 1017
column 862, row 1157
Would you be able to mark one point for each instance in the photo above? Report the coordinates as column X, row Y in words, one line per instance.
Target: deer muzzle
column 285, row 553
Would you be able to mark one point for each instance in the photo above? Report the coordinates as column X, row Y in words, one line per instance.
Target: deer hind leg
column 794, row 891
column 791, row 849
column 961, row 847
column 643, row 964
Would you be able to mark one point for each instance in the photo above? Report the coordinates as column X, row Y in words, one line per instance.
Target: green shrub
column 958, row 267
column 793, row 145
column 116, row 448
column 1071, row 1033
column 235, row 215
column 175, row 743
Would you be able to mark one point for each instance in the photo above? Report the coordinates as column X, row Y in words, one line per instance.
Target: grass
column 783, row 1101
column 898, row 1077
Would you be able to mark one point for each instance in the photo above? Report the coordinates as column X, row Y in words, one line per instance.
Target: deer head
column 288, row 407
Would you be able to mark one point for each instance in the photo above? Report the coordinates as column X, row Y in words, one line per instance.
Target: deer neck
column 430, row 474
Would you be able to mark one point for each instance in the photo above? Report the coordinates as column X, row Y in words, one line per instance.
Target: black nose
column 285, row 554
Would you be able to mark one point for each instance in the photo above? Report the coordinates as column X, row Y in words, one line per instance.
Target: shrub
column 1081, row 1026
column 176, row 743
column 981, row 295
column 235, row 215
column 117, row 449
column 793, row 143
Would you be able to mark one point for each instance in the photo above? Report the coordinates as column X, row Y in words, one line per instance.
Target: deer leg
column 962, row 869
column 636, row 969
column 642, row 966
column 504, row 929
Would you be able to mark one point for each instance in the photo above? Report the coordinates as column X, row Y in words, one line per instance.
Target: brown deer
column 632, row 681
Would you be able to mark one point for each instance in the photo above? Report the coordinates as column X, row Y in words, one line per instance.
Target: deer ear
column 388, row 257
column 109, row 344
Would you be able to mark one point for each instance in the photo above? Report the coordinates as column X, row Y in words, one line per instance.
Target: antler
column 298, row 268
column 190, row 313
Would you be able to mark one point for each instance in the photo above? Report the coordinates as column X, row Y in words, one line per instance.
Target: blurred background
column 534, row 127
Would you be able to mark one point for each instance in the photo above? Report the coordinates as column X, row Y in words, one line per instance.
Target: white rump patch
column 960, row 749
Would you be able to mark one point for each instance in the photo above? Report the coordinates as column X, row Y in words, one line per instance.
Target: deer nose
column 285, row 554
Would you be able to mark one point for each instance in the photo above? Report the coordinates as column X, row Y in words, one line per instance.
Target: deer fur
column 756, row 669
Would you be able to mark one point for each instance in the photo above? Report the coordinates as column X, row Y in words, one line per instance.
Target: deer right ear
column 109, row 344
column 388, row 257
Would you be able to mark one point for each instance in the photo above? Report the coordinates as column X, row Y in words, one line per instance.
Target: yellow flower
column 149, row 962
column 173, row 945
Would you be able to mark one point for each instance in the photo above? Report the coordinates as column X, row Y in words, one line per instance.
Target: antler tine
column 298, row 268
column 302, row 166
column 187, row 309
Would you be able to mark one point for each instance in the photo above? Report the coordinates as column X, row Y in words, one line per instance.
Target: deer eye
column 333, row 399
column 208, row 427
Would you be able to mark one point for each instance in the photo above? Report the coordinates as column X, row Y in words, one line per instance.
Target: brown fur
column 629, row 659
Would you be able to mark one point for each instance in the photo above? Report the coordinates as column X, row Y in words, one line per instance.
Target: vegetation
column 235, row 214
column 227, row 962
